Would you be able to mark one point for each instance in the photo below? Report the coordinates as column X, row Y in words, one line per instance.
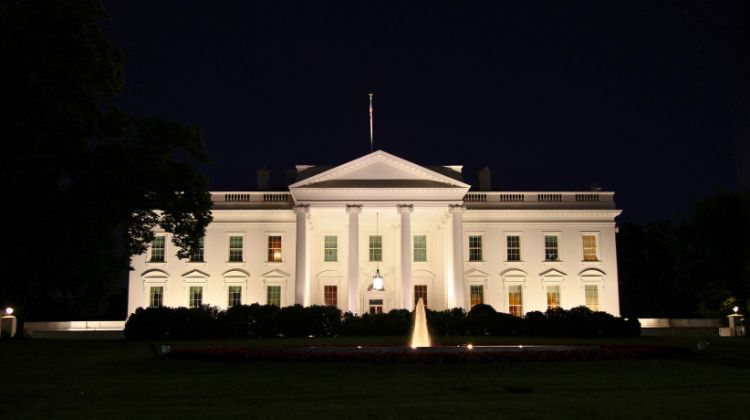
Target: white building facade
column 322, row 242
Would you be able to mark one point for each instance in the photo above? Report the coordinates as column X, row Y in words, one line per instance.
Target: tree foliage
column 84, row 183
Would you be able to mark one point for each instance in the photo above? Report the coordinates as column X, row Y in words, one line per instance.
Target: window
column 197, row 254
column 553, row 297
column 515, row 301
column 550, row 248
column 156, row 297
column 376, row 248
column 235, row 248
column 420, row 292
column 196, row 297
column 273, row 295
column 235, row 296
column 157, row 249
column 475, row 248
column 331, row 295
column 592, row 297
column 476, row 294
column 376, row 306
column 420, row 248
column 513, row 243
column 589, row 248
column 274, row 249
column 330, row 249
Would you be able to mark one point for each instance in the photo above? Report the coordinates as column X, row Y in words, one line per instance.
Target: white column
column 407, row 291
column 300, row 263
column 353, row 268
column 457, row 211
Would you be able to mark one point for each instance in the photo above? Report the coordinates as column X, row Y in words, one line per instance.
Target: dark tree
column 80, row 178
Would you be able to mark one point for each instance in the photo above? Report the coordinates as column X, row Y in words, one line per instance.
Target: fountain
column 420, row 336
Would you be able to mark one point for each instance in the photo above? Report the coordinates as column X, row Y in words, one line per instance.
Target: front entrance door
column 375, row 306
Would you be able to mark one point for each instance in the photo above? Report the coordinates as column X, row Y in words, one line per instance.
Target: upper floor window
column 592, row 297
column 475, row 248
column 274, row 249
column 235, row 248
column 157, row 248
column 376, row 248
column 420, row 248
column 551, row 248
column 513, row 247
column 156, row 297
column 589, row 248
column 330, row 249
column 197, row 254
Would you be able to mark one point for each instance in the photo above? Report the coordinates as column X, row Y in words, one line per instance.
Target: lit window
column 420, row 248
column 197, row 254
column 331, row 295
column 592, row 297
column 589, row 248
column 476, row 294
column 550, row 248
column 157, row 249
column 331, row 249
column 196, row 296
column 515, row 301
column 156, row 297
column 553, row 297
column 420, row 292
column 274, row 295
column 513, row 247
column 235, row 248
column 376, row 306
column 274, row 249
column 235, row 296
column 475, row 248
column 376, row 248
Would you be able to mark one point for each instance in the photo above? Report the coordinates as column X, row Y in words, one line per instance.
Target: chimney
column 485, row 179
column 264, row 179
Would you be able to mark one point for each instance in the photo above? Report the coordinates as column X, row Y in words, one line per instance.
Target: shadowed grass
column 121, row 379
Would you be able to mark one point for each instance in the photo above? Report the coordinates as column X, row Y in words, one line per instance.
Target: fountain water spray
column 420, row 336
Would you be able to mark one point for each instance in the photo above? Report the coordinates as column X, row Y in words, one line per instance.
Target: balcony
column 540, row 200
column 252, row 200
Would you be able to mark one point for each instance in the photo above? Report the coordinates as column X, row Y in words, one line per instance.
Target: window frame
column 414, row 248
column 191, row 297
column 230, row 248
column 372, row 250
column 514, row 289
column 271, row 250
column 509, row 235
column 151, row 296
column 335, row 248
column 201, row 249
column 470, row 257
column 558, row 293
column 421, row 293
column 597, row 245
column 327, row 293
column 479, row 287
column 595, row 307
column 230, row 295
column 545, row 254
column 268, row 294
column 163, row 249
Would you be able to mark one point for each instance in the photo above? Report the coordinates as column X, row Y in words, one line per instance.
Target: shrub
column 152, row 323
column 481, row 320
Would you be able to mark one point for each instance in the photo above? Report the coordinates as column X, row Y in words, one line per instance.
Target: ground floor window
column 331, row 295
column 592, row 297
column 156, row 297
column 420, row 292
column 235, row 296
column 273, row 295
column 515, row 301
column 376, row 306
column 476, row 295
column 196, row 296
column 553, row 297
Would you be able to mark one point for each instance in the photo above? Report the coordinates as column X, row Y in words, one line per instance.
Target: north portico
column 322, row 242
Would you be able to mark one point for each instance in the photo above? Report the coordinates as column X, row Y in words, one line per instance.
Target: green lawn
column 121, row 379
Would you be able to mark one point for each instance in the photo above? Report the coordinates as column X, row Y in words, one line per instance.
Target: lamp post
column 8, row 324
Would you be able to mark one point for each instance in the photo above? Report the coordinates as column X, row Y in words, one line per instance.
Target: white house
column 322, row 242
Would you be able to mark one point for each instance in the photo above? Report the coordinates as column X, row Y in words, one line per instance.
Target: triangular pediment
column 379, row 169
column 379, row 176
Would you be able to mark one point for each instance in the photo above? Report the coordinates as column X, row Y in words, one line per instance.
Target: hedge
column 297, row 321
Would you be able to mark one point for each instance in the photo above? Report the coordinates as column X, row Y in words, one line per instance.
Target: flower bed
column 431, row 355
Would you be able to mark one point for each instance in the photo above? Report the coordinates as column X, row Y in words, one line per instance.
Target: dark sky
column 648, row 99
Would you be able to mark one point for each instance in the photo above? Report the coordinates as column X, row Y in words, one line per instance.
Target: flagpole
column 371, row 138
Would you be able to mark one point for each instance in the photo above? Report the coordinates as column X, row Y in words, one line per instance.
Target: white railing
column 582, row 199
column 260, row 198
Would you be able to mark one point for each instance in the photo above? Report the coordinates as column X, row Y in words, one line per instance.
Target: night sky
column 647, row 99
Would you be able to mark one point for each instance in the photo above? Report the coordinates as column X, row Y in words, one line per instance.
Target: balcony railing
column 534, row 199
column 249, row 199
